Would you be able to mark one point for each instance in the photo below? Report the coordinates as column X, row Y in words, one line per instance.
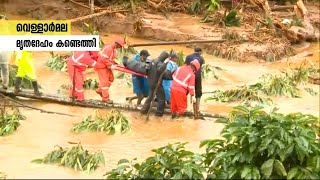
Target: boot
column 107, row 101
column 17, row 88
column 140, row 98
column 36, row 88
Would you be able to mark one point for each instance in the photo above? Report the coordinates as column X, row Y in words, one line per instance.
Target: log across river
column 90, row 103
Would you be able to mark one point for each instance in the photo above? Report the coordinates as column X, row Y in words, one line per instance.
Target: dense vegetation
column 255, row 145
column 9, row 122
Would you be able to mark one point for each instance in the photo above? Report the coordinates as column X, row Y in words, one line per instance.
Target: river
column 40, row 132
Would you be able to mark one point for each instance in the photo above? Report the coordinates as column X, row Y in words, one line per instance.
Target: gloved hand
column 112, row 66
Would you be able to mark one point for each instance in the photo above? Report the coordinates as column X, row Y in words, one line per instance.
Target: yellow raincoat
column 25, row 66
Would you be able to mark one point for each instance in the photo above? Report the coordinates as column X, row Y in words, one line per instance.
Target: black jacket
column 156, row 67
column 136, row 66
column 153, row 70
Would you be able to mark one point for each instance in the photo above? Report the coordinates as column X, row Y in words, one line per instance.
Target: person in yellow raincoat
column 25, row 69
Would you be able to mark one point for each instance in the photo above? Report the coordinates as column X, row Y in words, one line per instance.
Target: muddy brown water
column 41, row 132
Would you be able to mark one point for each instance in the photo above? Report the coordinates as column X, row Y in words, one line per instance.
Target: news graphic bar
column 50, row 43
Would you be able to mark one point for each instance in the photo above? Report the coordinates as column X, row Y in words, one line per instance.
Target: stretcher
column 122, row 68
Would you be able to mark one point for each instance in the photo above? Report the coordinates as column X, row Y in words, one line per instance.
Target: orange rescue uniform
column 106, row 77
column 182, row 84
column 77, row 64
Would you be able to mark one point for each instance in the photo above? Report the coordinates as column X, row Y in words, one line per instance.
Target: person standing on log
column 106, row 57
column 198, row 87
column 154, row 70
column 77, row 64
column 140, row 84
column 182, row 85
column 171, row 66
column 25, row 69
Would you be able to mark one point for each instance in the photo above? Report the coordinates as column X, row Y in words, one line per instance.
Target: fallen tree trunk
column 279, row 8
column 91, row 103
column 177, row 42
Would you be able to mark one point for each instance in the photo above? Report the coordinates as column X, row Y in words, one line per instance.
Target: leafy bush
column 57, row 62
column 91, row 84
column 25, row 84
column 10, row 122
column 213, row 5
column 111, row 123
column 171, row 161
column 75, row 157
column 258, row 145
column 231, row 19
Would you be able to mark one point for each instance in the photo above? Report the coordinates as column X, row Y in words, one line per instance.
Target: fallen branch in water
column 41, row 110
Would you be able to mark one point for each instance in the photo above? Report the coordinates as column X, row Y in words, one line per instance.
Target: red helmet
column 120, row 41
column 196, row 64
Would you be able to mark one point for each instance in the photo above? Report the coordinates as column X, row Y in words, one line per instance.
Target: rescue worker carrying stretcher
column 154, row 71
column 171, row 66
column 77, row 64
column 25, row 69
column 182, row 85
column 198, row 83
column 106, row 57
column 140, row 84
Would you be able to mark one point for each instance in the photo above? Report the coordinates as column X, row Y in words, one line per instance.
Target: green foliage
column 213, row 5
column 10, row 122
column 75, row 157
column 231, row 19
column 25, row 84
column 181, row 58
column 194, row 7
column 88, row 28
column 169, row 162
column 258, row 145
column 3, row 175
column 91, row 84
column 57, row 62
column 207, row 71
column 243, row 93
column 284, row 84
column 114, row 122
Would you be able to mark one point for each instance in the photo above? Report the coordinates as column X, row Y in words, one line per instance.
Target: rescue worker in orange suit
column 106, row 57
column 77, row 64
column 183, row 84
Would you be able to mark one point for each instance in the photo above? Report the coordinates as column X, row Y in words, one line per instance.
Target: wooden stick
column 82, row 18
column 91, row 103
column 41, row 110
column 155, row 92
column 176, row 42
column 277, row 8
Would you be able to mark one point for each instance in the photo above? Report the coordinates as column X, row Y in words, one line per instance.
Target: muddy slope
column 176, row 26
